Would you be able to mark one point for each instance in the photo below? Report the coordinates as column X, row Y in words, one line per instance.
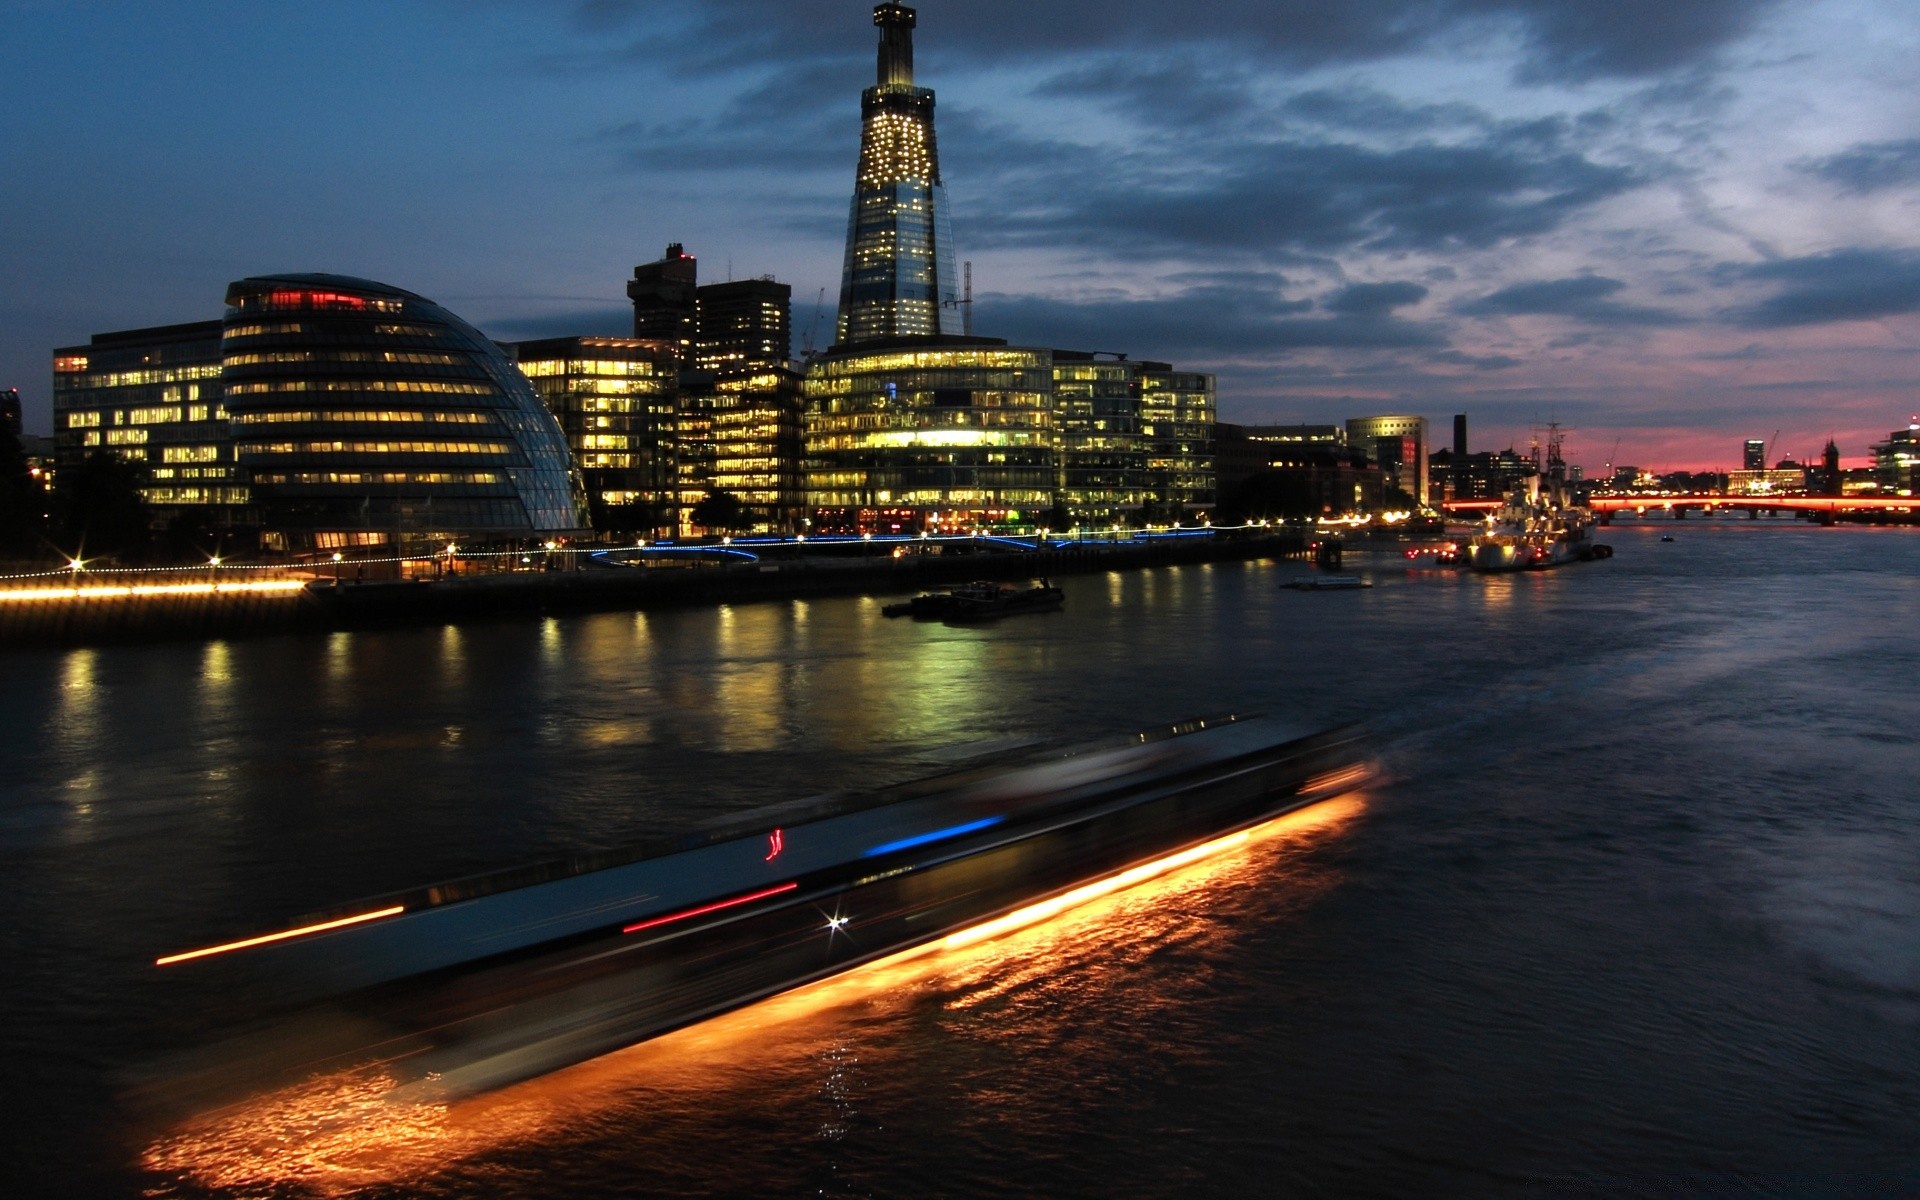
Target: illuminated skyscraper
column 898, row 279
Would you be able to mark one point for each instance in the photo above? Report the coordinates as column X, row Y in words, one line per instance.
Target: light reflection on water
column 340, row 1133
column 1637, row 890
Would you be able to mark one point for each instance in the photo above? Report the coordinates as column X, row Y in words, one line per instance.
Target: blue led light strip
column 937, row 835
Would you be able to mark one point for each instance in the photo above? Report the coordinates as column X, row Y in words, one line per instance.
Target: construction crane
column 965, row 303
column 1769, row 455
column 813, row 327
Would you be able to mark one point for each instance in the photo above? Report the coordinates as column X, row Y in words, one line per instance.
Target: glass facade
column 1102, row 460
column 153, row 396
column 615, row 400
column 954, row 429
column 756, row 436
column 365, row 415
column 897, row 279
column 1177, row 415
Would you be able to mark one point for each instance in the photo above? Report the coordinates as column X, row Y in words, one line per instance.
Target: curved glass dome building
column 367, row 415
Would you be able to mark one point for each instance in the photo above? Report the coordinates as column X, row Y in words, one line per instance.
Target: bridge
column 1826, row 508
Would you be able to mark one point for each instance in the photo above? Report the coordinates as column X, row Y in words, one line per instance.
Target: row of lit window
column 196, row 495
column 577, row 366
column 261, row 329
column 195, row 473
column 361, row 415
column 253, row 448
column 357, row 478
column 189, row 454
column 141, row 378
column 362, row 385
column 413, row 357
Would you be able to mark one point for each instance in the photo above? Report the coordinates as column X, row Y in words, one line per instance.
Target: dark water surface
column 1636, row 907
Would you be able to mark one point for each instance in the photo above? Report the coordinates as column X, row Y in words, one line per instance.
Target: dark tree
column 1267, row 494
column 718, row 512
column 23, row 502
column 100, row 510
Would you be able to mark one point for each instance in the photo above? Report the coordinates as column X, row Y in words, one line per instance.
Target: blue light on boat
column 936, row 836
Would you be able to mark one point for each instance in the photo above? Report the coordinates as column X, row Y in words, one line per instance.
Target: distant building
column 367, row 416
column 898, row 279
column 1292, row 476
column 1177, row 411
column 664, row 304
column 742, row 327
column 754, row 435
column 1399, row 444
column 615, row 399
column 1787, row 479
column 1102, row 460
column 11, row 420
column 1754, row 457
column 154, row 397
column 1895, row 460
column 1825, row 481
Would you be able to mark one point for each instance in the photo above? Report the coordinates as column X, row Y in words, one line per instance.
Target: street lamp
column 336, row 568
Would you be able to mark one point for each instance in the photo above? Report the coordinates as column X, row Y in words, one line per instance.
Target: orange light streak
column 1334, row 780
column 1035, row 913
column 339, row 1133
column 282, row 936
column 108, row 591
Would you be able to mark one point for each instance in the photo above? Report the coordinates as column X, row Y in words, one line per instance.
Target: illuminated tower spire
column 898, row 279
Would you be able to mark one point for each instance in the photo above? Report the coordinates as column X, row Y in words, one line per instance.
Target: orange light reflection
column 282, row 936
column 333, row 1135
column 108, row 591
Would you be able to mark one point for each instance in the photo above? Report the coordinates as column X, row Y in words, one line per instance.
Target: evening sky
column 1673, row 224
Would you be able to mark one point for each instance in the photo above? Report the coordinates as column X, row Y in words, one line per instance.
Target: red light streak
column 282, row 936
column 775, row 844
column 717, row 905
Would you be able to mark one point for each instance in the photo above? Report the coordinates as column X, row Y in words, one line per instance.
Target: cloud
column 1564, row 39
column 1294, row 197
column 1870, row 166
column 1580, row 39
column 1583, row 297
column 1374, row 299
column 1209, row 322
column 1855, row 284
column 1482, row 362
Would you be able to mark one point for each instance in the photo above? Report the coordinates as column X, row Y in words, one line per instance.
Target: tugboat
column 980, row 601
column 1540, row 526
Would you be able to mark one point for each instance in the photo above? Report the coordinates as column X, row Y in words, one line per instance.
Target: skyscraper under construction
column 898, row 279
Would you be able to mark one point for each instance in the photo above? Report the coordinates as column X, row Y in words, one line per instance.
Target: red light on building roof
column 311, row 299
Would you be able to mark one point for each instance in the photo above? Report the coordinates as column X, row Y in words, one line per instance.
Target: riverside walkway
column 83, row 606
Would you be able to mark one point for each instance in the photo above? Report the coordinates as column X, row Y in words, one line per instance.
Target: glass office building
column 1177, row 415
column 367, row 415
column 615, row 400
column 153, row 397
column 898, row 278
column 949, row 431
column 1102, row 461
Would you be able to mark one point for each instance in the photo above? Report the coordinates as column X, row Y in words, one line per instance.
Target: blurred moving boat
column 483, row 981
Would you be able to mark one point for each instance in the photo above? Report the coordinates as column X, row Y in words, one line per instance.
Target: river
column 1632, row 907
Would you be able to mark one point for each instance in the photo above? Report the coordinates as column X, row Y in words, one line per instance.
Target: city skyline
column 1680, row 231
